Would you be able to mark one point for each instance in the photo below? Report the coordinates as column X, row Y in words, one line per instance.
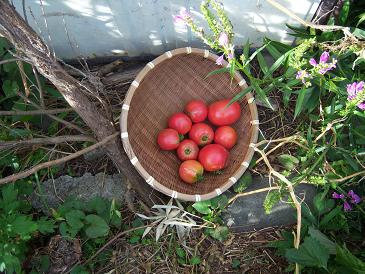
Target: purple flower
column 352, row 91
column 361, row 106
column 355, row 199
column 183, row 16
column 347, row 206
column 337, row 196
column 304, row 76
column 223, row 39
column 219, row 60
column 313, row 62
column 323, row 66
column 324, row 57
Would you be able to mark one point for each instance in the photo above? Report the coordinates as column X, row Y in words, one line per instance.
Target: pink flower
column 324, row 57
column 219, row 60
column 352, row 91
column 223, row 39
column 337, row 196
column 183, row 16
column 323, row 66
column 313, row 62
column 355, row 199
column 347, row 206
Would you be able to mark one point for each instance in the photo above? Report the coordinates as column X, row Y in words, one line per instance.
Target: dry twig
column 45, row 141
column 34, row 112
column 34, row 169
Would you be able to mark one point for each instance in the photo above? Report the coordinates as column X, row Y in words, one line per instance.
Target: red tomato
column 168, row 139
column 180, row 122
column 187, row 150
column 213, row 157
column 197, row 110
column 202, row 134
column 191, row 171
column 221, row 115
column 225, row 136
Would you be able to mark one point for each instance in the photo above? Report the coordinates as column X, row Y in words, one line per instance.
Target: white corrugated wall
column 128, row 27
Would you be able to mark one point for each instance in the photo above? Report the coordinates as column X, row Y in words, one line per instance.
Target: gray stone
column 86, row 187
column 247, row 213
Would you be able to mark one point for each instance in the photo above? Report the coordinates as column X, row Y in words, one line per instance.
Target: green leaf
column 217, row 71
column 241, row 94
column 203, row 207
column 195, row 260
column 180, row 252
column 261, row 95
column 253, row 55
column 134, row 239
column 10, row 88
column 219, row 202
column 344, row 12
column 236, row 263
column 74, row 219
column 322, row 204
column 349, row 261
column 278, row 63
column 329, row 216
column 10, row 263
column 307, row 213
column 243, row 183
column 359, row 33
column 219, row 233
column 361, row 19
column 288, row 161
column 262, row 63
column 9, row 198
column 98, row 205
column 272, row 198
column 299, row 102
column 45, row 226
column 97, row 227
column 310, row 253
column 322, row 239
column 24, row 226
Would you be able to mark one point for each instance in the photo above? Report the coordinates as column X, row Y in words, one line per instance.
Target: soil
column 240, row 253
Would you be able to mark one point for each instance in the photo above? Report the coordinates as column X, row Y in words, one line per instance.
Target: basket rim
column 134, row 160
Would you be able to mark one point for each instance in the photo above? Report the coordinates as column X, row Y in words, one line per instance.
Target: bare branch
column 34, row 112
column 45, row 141
column 66, row 123
column 9, row 61
column 28, row 172
column 252, row 192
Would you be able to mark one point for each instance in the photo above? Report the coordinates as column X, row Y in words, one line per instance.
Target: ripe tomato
column 225, row 136
column 180, row 122
column 197, row 110
column 191, row 171
column 221, row 115
column 187, row 150
column 168, row 139
column 202, row 134
column 213, row 157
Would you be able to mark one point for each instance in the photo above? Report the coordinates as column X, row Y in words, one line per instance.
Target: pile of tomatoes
column 197, row 144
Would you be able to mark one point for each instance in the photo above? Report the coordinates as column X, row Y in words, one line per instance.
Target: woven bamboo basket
column 162, row 88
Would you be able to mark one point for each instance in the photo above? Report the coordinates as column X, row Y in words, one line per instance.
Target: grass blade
column 262, row 63
column 217, row 71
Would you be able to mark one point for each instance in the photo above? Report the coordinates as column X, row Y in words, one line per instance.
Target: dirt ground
column 240, row 253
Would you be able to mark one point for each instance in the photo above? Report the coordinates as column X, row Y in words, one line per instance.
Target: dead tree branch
column 34, row 112
column 45, row 141
column 25, row 40
column 28, row 172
